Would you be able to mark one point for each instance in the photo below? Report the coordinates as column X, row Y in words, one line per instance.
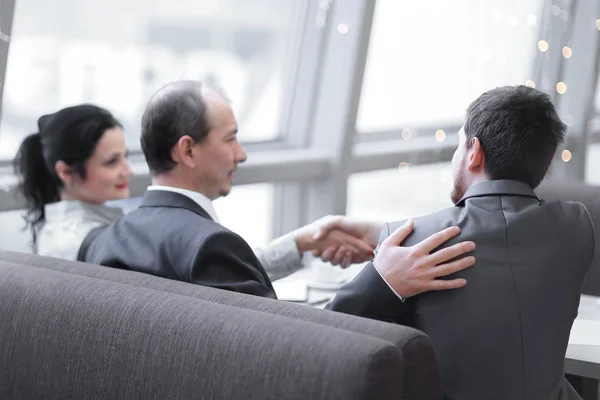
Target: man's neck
column 479, row 179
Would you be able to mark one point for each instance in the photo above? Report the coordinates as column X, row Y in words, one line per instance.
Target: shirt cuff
column 390, row 286
column 281, row 257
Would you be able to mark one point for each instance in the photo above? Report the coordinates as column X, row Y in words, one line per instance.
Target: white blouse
column 68, row 223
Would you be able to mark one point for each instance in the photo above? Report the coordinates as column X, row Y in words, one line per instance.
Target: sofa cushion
column 422, row 374
column 69, row 336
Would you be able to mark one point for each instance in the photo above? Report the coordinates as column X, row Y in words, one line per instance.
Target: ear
column 476, row 156
column 64, row 172
column 183, row 152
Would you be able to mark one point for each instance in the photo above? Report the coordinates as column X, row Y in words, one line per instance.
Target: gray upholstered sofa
column 78, row 331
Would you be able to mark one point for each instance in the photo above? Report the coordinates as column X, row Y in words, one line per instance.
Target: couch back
column 75, row 330
column 589, row 196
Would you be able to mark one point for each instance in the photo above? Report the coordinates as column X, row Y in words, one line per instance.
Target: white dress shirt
column 280, row 257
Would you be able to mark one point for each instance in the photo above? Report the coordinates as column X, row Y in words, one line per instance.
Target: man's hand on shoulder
column 413, row 270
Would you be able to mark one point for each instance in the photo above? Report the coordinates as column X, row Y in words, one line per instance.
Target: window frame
column 310, row 164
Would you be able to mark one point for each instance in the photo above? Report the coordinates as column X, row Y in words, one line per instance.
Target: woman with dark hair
column 67, row 171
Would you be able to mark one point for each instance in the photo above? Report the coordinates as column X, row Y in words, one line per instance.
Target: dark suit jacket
column 504, row 335
column 171, row 236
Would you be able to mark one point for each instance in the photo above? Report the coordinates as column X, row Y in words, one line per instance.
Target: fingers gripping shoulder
column 386, row 231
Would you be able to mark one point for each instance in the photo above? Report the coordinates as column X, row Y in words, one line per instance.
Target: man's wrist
column 304, row 242
column 399, row 295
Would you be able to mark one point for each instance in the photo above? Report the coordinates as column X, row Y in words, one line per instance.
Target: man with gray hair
column 189, row 139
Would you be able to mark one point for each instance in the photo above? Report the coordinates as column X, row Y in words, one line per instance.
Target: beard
column 226, row 186
column 224, row 190
column 460, row 187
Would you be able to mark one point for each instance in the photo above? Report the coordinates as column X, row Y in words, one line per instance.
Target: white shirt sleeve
column 390, row 286
column 281, row 257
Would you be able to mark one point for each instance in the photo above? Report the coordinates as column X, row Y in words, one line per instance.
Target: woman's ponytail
column 37, row 183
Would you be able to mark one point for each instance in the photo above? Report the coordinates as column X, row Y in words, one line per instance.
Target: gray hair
column 177, row 109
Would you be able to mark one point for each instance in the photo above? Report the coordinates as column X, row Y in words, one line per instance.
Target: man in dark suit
column 189, row 139
column 504, row 335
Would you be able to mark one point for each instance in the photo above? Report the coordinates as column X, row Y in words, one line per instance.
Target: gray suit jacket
column 171, row 236
column 504, row 335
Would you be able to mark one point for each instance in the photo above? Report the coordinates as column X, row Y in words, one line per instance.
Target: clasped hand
column 339, row 240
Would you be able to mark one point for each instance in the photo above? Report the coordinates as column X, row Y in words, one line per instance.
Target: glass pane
column 592, row 168
column 248, row 211
column 597, row 98
column 117, row 53
column 13, row 236
column 429, row 59
column 400, row 193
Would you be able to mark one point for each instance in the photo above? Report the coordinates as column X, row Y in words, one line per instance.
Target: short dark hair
column 69, row 135
column 519, row 130
column 176, row 110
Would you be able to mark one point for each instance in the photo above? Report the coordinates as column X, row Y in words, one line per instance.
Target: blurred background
column 347, row 107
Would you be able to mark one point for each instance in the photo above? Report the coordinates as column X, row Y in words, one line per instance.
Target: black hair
column 519, row 130
column 176, row 110
column 69, row 135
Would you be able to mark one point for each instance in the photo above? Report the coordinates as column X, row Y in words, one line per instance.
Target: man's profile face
column 219, row 154
column 459, row 168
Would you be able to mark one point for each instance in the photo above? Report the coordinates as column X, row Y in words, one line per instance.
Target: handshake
column 340, row 240
column 407, row 270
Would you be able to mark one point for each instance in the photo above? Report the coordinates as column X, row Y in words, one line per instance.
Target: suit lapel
column 163, row 198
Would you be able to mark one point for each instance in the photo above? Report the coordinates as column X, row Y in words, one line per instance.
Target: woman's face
column 107, row 171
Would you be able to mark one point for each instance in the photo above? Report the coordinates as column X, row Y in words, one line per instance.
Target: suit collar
column 198, row 197
column 498, row 188
column 164, row 198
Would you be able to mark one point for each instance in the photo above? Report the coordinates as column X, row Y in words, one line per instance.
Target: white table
column 322, row 284
column 582, row 363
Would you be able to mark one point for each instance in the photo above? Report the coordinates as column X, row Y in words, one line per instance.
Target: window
column 13, row 235
column 117, row 53
column 597, row 97
column 248, row 211
column 592, row 167
column 429, row 59
column 404, row 192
